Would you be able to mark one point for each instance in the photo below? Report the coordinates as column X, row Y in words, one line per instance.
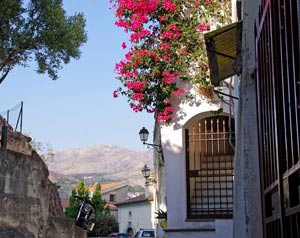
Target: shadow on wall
column 14, row 232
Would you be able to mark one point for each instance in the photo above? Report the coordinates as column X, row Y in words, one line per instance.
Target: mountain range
column 102, row 163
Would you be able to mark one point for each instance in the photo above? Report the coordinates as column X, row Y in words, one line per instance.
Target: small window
column 129, row 214
column 112, row 197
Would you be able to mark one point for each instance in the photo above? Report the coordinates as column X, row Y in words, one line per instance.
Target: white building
column 199, row 170
column 136, row 213
column 195, row 185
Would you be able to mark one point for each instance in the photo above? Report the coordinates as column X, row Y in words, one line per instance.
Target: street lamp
column 147, row 175
column 146, row 172
column 144, row 133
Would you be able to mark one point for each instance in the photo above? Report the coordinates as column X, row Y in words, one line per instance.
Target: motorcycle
column 86, row 215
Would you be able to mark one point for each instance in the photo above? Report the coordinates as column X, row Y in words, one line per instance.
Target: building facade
column 135, row 214
column 198, row 151
column 267, row 179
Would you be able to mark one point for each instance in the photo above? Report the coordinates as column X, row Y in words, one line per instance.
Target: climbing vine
column 166, row 45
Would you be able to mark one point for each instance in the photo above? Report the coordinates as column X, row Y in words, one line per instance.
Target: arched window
column 209, row 154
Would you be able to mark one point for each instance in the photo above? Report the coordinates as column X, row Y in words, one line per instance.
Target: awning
column 224, row 50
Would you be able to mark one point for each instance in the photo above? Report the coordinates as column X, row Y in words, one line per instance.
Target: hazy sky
column 78, row 109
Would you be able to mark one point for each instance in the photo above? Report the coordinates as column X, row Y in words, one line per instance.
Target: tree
column 39, row 30
column 105, row 223
column 45, row 150
column 97, row 200
column 104, row 220
column 80, row 191
column 71, row 210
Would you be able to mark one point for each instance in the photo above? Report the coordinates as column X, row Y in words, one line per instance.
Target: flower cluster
column 166, row 38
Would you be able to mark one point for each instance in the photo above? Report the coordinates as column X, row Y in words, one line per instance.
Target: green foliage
column 39, row 30
column 80, row 191
column 98, row 202
column 105, row 223
column 71, row 211
column 160, row 214
column 103, row 216
column 217, row 112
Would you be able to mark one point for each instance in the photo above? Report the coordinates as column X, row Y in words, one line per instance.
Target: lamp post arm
column 156, row 147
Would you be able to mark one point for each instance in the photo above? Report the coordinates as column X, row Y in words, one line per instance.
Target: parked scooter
column 86, row 215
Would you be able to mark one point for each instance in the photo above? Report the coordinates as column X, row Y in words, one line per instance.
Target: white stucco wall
column 172, row 137
column 142, row 216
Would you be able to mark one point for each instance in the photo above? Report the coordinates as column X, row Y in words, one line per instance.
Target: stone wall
column 247, row 198
column 29, row 201
column 15, row 141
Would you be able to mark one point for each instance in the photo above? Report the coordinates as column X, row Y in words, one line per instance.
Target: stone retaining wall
column 29, row 201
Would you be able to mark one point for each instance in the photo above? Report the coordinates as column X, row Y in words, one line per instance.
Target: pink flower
column 166, row 57
column 167, row 101
column 129, row 84
column 115, row 94
column 173, row 27
column 151, row 110
column 169, row 80
column 202, row 27
column 169, row 109
column 196, row 4
column 138, row 96
column 136, row 108
column 163, row 117
column 179, row 92
column 164, row 46
column 135, row 37
column 183, row 51
column 138, row 86
column 170, row 6
column 162, row 18
column 158, row 53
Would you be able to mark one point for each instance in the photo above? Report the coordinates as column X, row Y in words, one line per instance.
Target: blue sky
column 78, row 109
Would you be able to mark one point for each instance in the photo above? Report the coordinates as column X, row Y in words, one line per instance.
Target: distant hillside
column 102, row 163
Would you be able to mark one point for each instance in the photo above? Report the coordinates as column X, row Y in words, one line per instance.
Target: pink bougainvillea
column 202, row 27
column 166, row 38
column 124, row 45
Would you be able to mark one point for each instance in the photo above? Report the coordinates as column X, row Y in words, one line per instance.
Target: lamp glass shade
column 146, row 171
column 144, row 133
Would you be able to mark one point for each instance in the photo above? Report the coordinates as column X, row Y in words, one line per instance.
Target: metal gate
column 209, row 154
column 278, row 104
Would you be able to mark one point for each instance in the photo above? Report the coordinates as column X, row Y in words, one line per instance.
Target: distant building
column 136, row 213
column 112, row 193
column 64, row 198
column 113, row 210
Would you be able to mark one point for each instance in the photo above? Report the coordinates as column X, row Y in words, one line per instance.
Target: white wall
column 172, row 137
column 142, row 216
